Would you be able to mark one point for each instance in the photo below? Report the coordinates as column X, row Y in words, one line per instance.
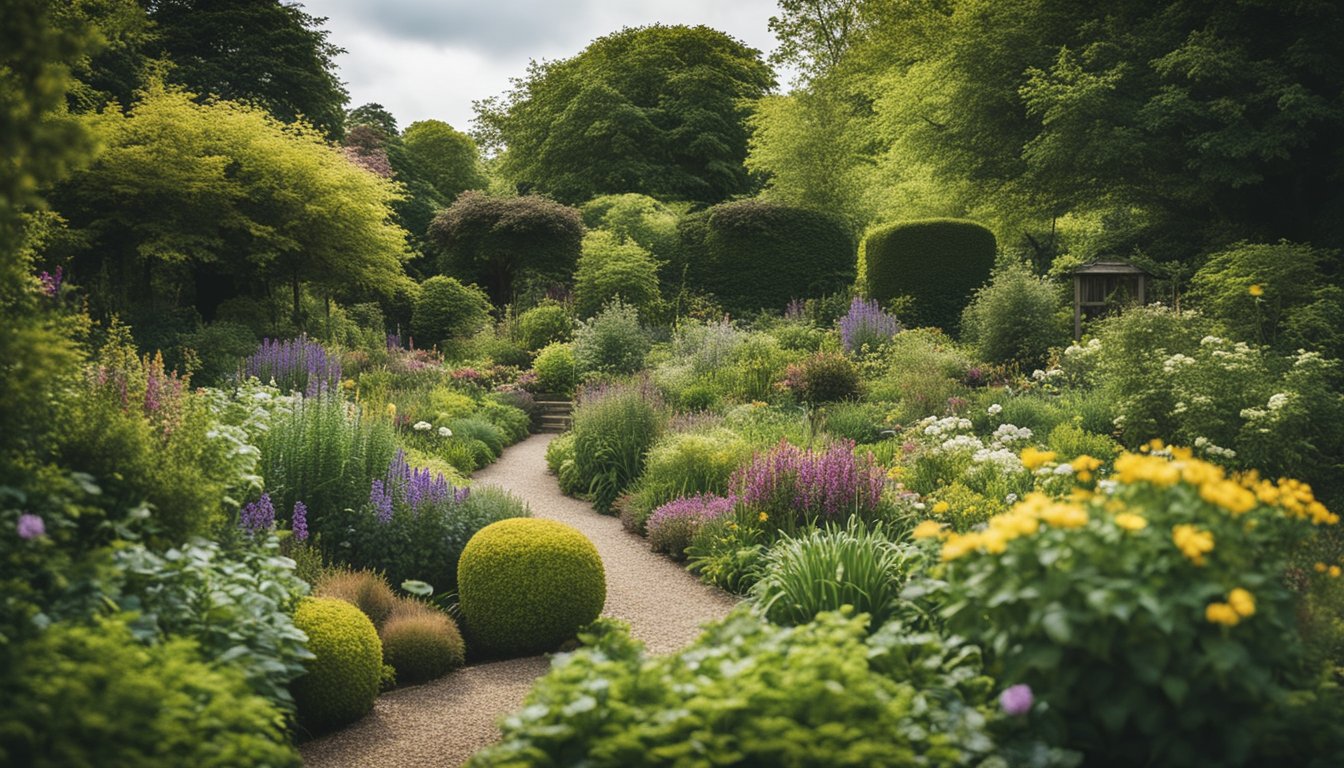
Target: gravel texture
column 442, row 723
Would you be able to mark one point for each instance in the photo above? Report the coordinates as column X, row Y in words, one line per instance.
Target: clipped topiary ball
column 526, row 585
column 421, row 643
column 342, row 682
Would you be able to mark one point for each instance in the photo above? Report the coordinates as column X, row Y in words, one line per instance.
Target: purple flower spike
column 31, row 527
column 258, row 516
column 1016, row 700
column 866, row 323
column 299, row 522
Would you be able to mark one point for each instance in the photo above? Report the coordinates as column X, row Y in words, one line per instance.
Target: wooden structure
column 1103, row 284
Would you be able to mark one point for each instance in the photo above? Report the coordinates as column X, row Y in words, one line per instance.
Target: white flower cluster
column 1003, row 459
column 445, row 432
column 422, row 426
column 1008, row 436
column 994, row 410
column 961, row 443
column 1207, row 446
column 1040, row 375
column 1177, row 361
column 935, row 427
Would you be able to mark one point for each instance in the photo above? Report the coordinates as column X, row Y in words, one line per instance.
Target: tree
column 658, row 110
column 494, row 241
column 608, row 269
column 372, row 114
column 446, row 311
column 263, row 51
column 815, row 34
column 449, row 158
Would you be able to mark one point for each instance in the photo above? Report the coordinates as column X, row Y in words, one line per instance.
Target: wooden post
column 1077, row 307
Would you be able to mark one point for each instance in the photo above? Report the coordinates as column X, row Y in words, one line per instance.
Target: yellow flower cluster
column 932, row 529
column 1084, row 466
column 941, row 508
column 1192, row 542
column 1130, row 521
column 1034, row 458
column 1294, row 497
column 1333, row 570
column 1240, row 605
column 1024, row 519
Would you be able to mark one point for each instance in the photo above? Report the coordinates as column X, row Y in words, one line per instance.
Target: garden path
column 444, row 722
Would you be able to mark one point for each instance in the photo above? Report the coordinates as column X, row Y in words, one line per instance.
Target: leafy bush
column 613, row 430
column 1157, row 621
column 235, row 605
column 609, row 268
column 937, row 262
column 218, row 347
column 343, row 680
column 489, row 435
column 1015, row 318
column 91, row 695
column 728, row 552
column 827, row 569
column 366, row 590
column 446, row 310
column 513, row 422
column 924, row 370
column 691, row 463
column 824, row 378
column 820, row 694
column 612, row 341
column 672, row 526
column 527, row 585
column 1128, row 344
column 855, row 421
column 1069, row 440
column 636, row 218
column 866, row 326
column 547, row 323
column 421, row 643
column 557, row 372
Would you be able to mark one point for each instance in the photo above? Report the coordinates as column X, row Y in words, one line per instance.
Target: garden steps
column 557, row 413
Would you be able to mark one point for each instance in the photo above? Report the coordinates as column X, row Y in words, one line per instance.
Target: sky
column 425, row 59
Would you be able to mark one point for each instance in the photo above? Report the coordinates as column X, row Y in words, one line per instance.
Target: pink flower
column 31, row 527
column 1016, row 700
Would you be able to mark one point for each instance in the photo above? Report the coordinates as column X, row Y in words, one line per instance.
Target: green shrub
column 446, row 311
column 798, row 337
column 636, row 218
column 687, row 464
column 826, row 569
column 1069, row 441
column 366, row 590
column 546, row 323
column 513, row 422
column 609, row 268
column 421, row 643
column 924, row 369
column 825, row 378
column 1015, row 318
column 613, row 431
column 484, row 432
column 494, row 347
column 527, row 585
column 860, row 422
column 560, row 461
column 612, row 341
column 557, row 373
column 91, row 696
column 343, row 680
column 755, row 255
column 218, row 348
column 937, row 262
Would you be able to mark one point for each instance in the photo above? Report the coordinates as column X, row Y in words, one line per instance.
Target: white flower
column 1064, row 469
column 1201, row 441
column 445, row 432
column 1010, row 498
column 422, row 426
column 1277, row 401
column 995, row 409
column 1038, row 375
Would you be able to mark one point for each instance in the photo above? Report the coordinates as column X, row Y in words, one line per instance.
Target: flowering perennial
column 296, row 365
column 298, row 523
column 806, row 485
column 411, row 489
column 866, row 324
column 258, row 516
column 672, row 526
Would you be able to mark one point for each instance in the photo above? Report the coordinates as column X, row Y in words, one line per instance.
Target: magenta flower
column 31, row 527
column 1016, row 700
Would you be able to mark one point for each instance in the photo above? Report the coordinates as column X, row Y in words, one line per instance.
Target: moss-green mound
column 343, row 680
column 937, row 262
column 526, row 585
column 421, row 643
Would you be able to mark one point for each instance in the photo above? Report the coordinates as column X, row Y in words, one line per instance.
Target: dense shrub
column 613, row 430
column 343, row 680
column 560, row 461
column 608, row 269
column 756, row 255
column 612, row 341
column 636, row 218
column 672, row 526
column 91, row 695
column 421, row 643
column 856, row 421
column 446, row 311
column 515, row 423
column 686, row 464
column 547, row 323
column 824, row 378
column 479, row 429
column 366, row 590
column 1015, row 318
column 827, row 569
column 527, row 585
column 924, row 369
column 557, row 373
column 938, row 263
column 218, row 347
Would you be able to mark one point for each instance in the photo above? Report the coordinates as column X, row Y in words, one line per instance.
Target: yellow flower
column 1228, row 495
column 1064, row 516
column 1034, row 458
column 1134, row 468
column 1242, row 601
column 757, row 404
column 762, row 517
column 994, row 541
column 930, row 529
column 391, row 410
column 1221, row 613
column 895, row 472
column 941, row 507
column 1256, row 290
column 1192, row 542
column 1130, row 521
column 1320, row 567
column 958, row 545
column 1334, row 571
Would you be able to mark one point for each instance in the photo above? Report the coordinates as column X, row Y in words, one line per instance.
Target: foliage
column 938, row 262
column 496, row 242
column 91, row 695
column 343, row 678
column 855, row 421
column 527, row 585
column 824, row 378
column 547, row 323
column 421, row 643
column 614, row 427
column 610, row 269
column 560, row 462
column 366, row 590
column 612, row 341
column 672, row 526
column 1015, row 318
column 446, row 310
column 639, row 219
column 823, row 693
column 557, row 372
column 924, row 370
column 658, row 110
column 689, row 463
column 449, row 157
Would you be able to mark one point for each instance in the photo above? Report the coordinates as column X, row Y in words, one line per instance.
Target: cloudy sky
column 431, row 58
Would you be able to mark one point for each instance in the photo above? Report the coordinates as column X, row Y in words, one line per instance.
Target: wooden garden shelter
column 1102, row 284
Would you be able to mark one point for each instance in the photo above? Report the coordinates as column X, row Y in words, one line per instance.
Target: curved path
column 444, row 722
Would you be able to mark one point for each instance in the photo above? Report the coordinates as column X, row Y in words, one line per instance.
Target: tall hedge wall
column 754, row 255
column 937, row 262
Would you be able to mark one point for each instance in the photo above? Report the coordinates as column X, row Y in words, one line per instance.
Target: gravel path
column 444, row 722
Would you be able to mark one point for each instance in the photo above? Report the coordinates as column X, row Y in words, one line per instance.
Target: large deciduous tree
column 658, row 110
column 449, row 157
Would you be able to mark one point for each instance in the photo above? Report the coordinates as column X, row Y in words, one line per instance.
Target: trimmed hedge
column 343, row 680
column 938, row 262
column 526, row 585
column 754, row 255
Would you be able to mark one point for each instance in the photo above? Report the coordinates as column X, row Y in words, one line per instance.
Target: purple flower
column 31, row 527
column 828, row 484
column 296, row 365
column 51, row 283
column 672, row 526
column 258, row 516
column 794, row 310
column 866, row 324
column 413, row 490
column 1016, row 700
column 299, row 522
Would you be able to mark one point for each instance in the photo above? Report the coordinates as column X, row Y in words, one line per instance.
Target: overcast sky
column 431, row 58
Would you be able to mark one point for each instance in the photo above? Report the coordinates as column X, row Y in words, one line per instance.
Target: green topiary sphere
column 343, row 680
column 526, row 585
column 421, row 643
